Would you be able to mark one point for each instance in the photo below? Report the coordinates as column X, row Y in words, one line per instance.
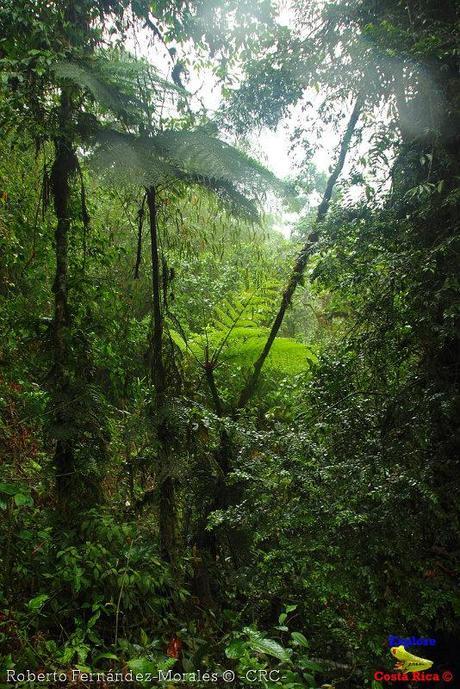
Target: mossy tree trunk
column 64, row 167
column 167, row 488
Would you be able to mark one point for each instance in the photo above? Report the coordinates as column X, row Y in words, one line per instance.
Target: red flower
column 174, row 648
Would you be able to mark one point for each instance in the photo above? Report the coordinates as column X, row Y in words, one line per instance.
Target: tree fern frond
column 109, row 97
column 128, row 72
column 195, row 159
column 210, row 157
column 237, row 203
column 115, row 80
column 124, row 159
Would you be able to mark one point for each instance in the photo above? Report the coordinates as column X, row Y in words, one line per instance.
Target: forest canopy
column 229, row 355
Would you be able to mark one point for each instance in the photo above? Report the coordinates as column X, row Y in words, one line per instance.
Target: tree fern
column 236, row 335
column 130, row 88
column 188, row 153
column 198, row 153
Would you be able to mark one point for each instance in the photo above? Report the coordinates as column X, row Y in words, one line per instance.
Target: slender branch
column 209, row 372
column 84, row 214
column 156, row 32
column 37, row 212
column 302, row 259
column 158, row 371
column 140, row 218
column 120, row 595
column 344, row 147
column 167, row 503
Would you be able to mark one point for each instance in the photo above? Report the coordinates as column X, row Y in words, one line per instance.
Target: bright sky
column 272, row 148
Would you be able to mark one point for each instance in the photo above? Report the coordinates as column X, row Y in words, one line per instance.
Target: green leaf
column 300, row 639
column 178, row 339
column 235, row 649
column 36, row 603
column 141, row 665
column 82, row 668
column 67, row 655
column 306, row 664
column 272, row 648
column 108, row 656
column 8, row 488
column 92, row 621
column 22, row 499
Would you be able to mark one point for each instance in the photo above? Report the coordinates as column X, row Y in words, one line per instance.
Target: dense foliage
column 222, row 448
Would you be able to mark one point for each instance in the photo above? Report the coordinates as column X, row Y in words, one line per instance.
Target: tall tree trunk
column 167, row 502
column 217, row 497
column 64, row 166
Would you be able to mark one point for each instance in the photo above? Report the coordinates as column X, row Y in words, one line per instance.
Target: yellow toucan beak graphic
column 408, row 662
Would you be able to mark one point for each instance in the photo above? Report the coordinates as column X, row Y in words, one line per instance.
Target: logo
column 410, row 667
column 410, row 641
column 407, row 662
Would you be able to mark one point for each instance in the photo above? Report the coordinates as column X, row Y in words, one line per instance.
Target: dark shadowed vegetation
column 223, row 448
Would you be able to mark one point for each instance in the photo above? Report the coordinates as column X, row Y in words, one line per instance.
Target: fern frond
column 109, row 97
column 124, row 159
column 182, row 156
column 115, row 80
column 129, row 73
column 209, row 157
